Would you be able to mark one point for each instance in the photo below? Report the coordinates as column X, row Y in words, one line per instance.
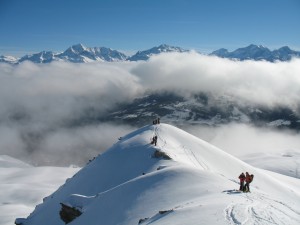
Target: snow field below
column 127, row 184
column 23, row 186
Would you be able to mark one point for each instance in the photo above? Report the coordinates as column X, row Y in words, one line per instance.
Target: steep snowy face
column 179, row 180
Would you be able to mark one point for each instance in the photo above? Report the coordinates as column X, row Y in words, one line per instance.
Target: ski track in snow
column 259, row 209
column 197, row 162
column 162, row 140
column 190, row 154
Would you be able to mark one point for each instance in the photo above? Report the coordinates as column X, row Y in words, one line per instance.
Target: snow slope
column 23, row 186
column 127, row 184
column 286, row 163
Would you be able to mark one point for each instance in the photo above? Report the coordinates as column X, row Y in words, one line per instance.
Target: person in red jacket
column 242, row 178
column 248, row 180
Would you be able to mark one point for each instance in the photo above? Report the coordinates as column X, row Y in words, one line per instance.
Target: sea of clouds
column 39, row 101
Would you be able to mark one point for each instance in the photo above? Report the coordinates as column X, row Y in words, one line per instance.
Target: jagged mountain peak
column 146, row 54
column 80, row 53
column 78, row 48
column 254, row 46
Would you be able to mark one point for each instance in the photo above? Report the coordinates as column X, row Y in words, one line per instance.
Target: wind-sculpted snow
column 128, row 185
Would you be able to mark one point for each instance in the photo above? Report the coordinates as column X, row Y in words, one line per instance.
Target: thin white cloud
column 242, row 140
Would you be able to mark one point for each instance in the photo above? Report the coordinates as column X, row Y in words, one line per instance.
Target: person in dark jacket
column 155, row 140
column 242, row 178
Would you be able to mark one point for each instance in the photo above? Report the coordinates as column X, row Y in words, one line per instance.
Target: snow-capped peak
column 80, row 53
column 146, row 54
column 78, row 48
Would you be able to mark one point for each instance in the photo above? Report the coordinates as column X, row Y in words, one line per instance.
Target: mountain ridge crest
column 79, row 53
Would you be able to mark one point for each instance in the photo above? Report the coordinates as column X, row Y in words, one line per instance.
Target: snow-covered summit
column 80, row 53
column 78, row 48
column 146, row 54
column 182, row 180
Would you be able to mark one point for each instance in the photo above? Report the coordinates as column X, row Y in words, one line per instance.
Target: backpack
column 252, row 176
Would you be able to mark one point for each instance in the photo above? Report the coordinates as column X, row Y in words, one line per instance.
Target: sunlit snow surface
column 126, row 184
column 23, row 186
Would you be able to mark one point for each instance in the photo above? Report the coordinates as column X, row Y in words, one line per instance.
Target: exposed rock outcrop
column 19, row 221
column 159, row 154
column 68, row 214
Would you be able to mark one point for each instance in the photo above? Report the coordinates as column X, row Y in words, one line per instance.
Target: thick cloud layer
column 258, row 82
column 38, row 101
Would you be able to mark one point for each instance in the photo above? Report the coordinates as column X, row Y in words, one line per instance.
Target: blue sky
column 130, row 25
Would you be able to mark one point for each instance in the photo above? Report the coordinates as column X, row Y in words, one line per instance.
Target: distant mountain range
column 258, row 52
column 81, row 54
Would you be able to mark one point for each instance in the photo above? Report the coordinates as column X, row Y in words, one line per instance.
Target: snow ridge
column 129, row 185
